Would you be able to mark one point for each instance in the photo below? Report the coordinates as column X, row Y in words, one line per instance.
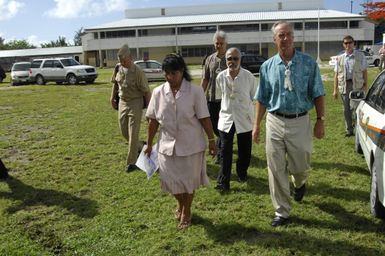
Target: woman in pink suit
column 179, row 110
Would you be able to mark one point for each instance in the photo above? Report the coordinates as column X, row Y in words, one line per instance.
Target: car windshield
column 69, row 62
column 21, row 67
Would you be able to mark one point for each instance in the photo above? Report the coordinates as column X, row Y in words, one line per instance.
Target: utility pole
column 351, row 6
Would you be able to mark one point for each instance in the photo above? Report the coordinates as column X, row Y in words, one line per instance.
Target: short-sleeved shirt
column 237, row 100
column 305, row 79
column 213, row 66
column 132, row 82
column 180, row 131
column 349, row 63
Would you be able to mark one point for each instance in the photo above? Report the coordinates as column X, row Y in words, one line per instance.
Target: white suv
column 370, row 140
column 61, row 70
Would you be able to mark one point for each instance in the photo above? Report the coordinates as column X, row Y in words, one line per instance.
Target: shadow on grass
column 28, row 196
column 281, row 238
column 338, row 192
column 340, row 167
column 344, row 220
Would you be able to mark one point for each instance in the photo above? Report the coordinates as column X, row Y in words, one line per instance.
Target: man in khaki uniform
column 131, row 84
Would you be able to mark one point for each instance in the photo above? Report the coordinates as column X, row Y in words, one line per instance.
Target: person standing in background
column 350, row 75
column 214, row 64
column 131, row 85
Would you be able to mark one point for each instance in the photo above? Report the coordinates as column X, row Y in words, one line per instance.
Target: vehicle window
column 365, row 53
column 21, row 67
column 48, row 64
column 260, row 59
column 154, row 65
column 142, row 65
column 381, row 99
column 36, row 64
column 374, row 93
column 69, row 62
column 249, row 59
column 57, row 64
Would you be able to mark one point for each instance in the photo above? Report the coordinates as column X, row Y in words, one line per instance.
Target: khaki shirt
column 213, row 66
column 132, row 82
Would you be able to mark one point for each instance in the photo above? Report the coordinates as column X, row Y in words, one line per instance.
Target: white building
column 154, row 32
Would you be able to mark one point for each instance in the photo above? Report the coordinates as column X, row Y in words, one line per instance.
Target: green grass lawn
column 70, row 195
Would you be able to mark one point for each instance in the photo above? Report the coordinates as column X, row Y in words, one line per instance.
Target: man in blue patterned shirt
column 290, row 85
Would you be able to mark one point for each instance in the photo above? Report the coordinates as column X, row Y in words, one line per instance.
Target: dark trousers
column 244, row 155
column 214, row 108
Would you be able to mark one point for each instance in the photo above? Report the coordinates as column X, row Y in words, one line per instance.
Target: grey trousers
column 348, row 113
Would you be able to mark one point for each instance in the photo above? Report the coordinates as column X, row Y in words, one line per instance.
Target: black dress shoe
column 279, row 221
column 299, row 192
column 349, row 134
column 131, row 167
column 222, row 188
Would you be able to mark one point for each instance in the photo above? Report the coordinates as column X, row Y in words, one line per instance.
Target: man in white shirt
column 237, row 87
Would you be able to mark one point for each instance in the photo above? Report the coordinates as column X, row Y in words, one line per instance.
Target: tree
column 375, row 10
column 16, row 44
column 77, row 37
column 60, row 42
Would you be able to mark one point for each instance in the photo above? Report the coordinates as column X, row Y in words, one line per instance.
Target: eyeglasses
column 346, row 43
column 232, row 58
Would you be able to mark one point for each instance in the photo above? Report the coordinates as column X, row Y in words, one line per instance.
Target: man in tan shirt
column 131, row 84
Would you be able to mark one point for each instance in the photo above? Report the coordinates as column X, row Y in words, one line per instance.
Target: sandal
column 178, row 214
column 185, row 223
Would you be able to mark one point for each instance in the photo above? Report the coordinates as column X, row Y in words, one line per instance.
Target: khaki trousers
column 130, row 116
column 288, row 150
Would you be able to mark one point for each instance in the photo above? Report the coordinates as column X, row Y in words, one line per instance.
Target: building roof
column 226, row 18
column 42, row 51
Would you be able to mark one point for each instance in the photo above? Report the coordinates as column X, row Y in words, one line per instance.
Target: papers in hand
column 148, row 164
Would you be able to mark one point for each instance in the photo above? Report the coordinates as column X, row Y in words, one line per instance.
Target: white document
column 148, row 164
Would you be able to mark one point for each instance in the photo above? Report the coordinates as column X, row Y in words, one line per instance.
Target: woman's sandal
column 185, row 223
column 178, row 214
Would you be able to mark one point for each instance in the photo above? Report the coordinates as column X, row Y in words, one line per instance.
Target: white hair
column 220, row 34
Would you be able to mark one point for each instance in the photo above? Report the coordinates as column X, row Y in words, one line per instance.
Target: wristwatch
column 321, row 118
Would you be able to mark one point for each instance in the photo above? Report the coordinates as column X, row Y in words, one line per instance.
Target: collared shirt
column 180, row 132
column 237, row 100
column 132, row 82
column 349, row 64
column 305, row 79
column 213, row 66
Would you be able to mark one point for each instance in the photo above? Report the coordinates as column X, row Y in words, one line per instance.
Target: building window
column 197, row 30
column 96, row 35
column 240, row 28
column 111, row 54
column 298, row 26
column 266, row 26
column 197, row 51
column 354, row 24
column 156, row 32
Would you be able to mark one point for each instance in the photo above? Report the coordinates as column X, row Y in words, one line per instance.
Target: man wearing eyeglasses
column 237, row 88
column 350, row 75
column 290, row 86
column 214, row 64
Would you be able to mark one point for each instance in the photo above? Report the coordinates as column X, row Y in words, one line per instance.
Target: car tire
column 40, row 80
column 72, row 79
column 357, row 144
column 376, row 207
column 376, row 63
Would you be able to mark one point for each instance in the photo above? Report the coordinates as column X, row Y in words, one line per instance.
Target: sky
column 42, row 21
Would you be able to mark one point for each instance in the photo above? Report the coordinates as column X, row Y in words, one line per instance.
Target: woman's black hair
column 175, row 62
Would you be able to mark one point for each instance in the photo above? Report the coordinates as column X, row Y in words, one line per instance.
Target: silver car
column 152, row 69
column 20, row 73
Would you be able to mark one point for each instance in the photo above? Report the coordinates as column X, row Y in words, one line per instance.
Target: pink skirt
column 182, row 174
